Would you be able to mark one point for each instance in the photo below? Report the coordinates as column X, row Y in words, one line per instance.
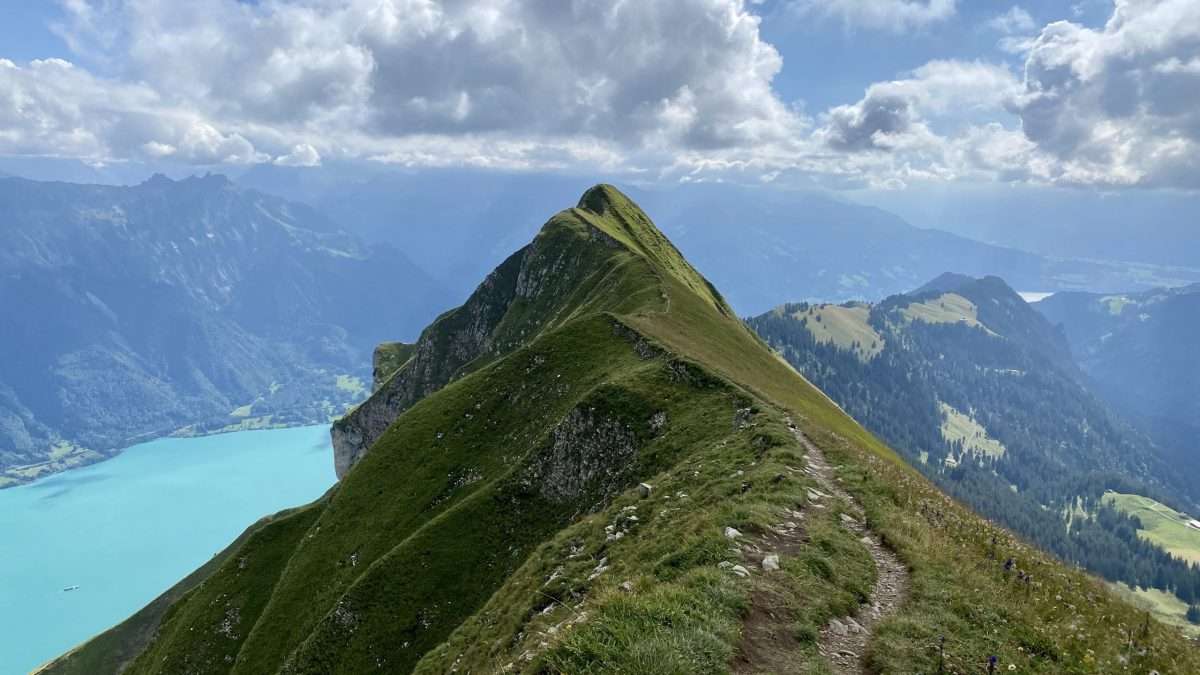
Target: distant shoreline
column 90, row 457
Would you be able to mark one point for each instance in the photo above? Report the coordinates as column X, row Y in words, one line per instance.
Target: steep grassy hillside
column 629, row 480
column 977, row 389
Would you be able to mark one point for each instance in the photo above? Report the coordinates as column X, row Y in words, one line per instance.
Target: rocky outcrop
column 444, row 350
column 387, row 359
column 589, row 454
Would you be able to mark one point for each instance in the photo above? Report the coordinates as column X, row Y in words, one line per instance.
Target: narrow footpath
column 768, row 645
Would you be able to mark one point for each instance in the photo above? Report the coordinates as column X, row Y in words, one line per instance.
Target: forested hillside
column 180, row 307
column 978, row 391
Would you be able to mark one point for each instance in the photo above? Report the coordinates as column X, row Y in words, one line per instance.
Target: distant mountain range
column 182, row 307
column 1139, row 350
column 979, row 390
column 756, row 243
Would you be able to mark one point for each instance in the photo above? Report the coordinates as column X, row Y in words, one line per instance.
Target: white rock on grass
column 732, row 533
column 770, row 563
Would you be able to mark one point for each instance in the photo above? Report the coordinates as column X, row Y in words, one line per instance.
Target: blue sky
column 871, row 97
column 864, row 55
column 24, row 31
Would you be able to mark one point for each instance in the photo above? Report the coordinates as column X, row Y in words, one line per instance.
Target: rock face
column 443, row 351
column 387, row 359
column 588, row 454
column 509, row 309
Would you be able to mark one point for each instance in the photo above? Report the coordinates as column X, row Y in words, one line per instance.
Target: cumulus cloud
column 890, row 15
column 302, row 154
column 891, row 111
column 53, row 108
column 593, row 84
column 1112, row 106
column 1119, row 105
column 404, row 70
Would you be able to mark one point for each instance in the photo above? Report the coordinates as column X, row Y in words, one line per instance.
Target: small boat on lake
column 71, row 588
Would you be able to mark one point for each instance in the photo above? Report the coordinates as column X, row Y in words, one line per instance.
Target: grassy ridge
column 498, row 526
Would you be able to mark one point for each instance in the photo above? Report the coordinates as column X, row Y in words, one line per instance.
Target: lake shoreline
column 122, row 533
column 90, row 457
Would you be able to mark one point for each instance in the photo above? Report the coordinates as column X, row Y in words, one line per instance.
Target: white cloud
column 1112, row 107
column 891, row 15
column 1015, row 21
column 302, row 154
column 319, row 71
column 595, row 84
column 52, row 107
column 893, row 114
column 1119, row 105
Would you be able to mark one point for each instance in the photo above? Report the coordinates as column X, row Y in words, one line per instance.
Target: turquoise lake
column 126, row 529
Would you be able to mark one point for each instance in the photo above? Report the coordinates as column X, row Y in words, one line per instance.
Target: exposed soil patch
column 768, row 643
column 844, row 641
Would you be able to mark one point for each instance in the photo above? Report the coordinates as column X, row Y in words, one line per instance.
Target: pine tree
column 1193, row 614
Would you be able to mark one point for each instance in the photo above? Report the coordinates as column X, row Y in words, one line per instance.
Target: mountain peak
column 158, row 179
column 946, row 282
column 600, row 198
column 951, row 282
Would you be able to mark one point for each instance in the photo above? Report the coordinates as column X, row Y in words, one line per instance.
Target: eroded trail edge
column 844, row 641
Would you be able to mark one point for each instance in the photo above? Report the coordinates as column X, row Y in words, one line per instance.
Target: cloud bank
column 681, row 89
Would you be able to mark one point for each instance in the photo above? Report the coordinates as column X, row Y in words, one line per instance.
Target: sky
column 866, row 96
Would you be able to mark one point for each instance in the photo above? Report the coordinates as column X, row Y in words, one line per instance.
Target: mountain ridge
column 603, row 497
column 806, row 240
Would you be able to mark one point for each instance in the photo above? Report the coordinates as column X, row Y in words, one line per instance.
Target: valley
column 760, row 245
column 179, row 308
column 1136, row 348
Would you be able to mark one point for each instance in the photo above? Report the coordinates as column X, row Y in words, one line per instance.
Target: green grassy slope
column 1161, row 524
column 387, row 359
column 497, row 525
